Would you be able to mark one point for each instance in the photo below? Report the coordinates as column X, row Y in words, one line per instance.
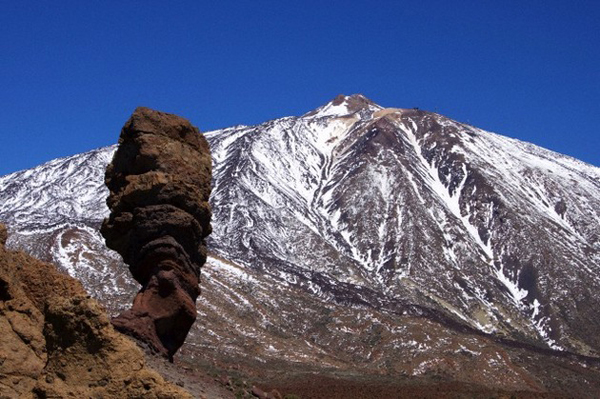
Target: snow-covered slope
column 64, row 190
column 399, row 211
column 494, row 232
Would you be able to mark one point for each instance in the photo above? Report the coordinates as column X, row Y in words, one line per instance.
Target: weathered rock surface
column 159, row 182
column 58, row 343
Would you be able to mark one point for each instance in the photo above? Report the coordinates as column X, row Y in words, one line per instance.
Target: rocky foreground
column 57, row 342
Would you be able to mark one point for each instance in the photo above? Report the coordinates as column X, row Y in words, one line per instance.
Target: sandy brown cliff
column 57, row 342
column 159, row 182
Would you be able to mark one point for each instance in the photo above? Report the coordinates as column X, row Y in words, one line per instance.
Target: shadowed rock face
column 159, row 182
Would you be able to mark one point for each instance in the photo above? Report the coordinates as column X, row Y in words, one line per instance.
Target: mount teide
column 376, row 240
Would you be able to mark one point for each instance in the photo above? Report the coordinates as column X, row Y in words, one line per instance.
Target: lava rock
column 160, row 182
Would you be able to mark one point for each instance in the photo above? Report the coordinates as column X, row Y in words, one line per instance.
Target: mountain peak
column 358, row 100
column 343, row 105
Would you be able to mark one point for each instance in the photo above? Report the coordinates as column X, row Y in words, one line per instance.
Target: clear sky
column 71, row 72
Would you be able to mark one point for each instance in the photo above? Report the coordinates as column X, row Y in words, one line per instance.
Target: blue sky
column 71, row 72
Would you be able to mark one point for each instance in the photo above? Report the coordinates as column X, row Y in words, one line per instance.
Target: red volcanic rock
column 159, row 182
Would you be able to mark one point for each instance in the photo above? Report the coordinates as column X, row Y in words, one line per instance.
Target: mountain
column 380, row 241
column 492, row 232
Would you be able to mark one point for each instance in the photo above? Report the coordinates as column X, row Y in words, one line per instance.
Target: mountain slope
column 420, row 209
column 401, row 219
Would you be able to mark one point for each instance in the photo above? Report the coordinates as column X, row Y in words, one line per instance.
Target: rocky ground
column 213, row 382
column 201, row 383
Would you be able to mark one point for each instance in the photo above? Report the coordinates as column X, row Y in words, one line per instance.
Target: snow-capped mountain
column 499, row 234
column 363, row 216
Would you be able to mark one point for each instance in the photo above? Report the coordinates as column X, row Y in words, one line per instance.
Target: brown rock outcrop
column 57, row 342
column 159, row 182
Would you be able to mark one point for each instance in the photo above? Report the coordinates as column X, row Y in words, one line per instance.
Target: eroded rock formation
column 159, row 182
column 57, row 342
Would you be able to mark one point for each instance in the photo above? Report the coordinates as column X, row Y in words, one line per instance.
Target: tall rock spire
column 159, row 182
